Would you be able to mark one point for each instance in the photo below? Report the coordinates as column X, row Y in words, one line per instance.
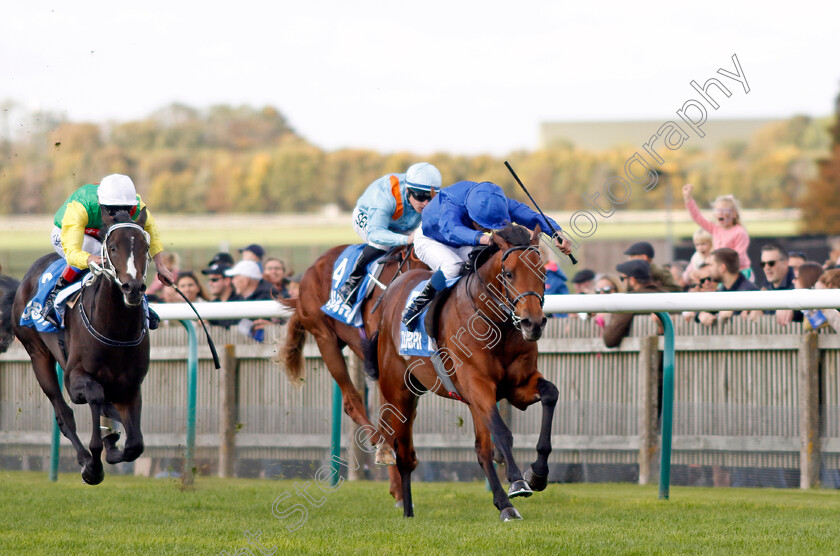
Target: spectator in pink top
column 727, row 231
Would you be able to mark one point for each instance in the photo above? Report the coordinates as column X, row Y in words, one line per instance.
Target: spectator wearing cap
column 253, row 252
column 250, row 285
column 643, row 250
column 248, row 281
column 222, row 258
column 636, row 276
column 584, row 281
column 220, row 288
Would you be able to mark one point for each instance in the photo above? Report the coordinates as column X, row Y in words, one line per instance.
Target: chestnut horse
column 487, row 332
column 332, row 335
column 107, row 344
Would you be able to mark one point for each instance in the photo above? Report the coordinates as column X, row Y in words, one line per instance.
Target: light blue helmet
column 423, row 177
column 487, row 206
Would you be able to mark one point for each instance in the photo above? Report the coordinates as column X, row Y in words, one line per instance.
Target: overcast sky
column 421, row 76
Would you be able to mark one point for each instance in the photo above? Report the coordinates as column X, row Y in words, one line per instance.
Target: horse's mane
column 514, row 234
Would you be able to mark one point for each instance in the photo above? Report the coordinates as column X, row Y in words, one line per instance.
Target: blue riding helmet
column 487, row 206
column 423, row 177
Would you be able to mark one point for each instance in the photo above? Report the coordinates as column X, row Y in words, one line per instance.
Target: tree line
column 250, row 160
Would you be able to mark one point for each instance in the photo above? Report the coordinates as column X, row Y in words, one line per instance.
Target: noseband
column 508, row 305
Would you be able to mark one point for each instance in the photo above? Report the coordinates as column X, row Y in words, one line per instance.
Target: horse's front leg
column 484, row 451
column 83, row 388
column 546, row 392
column 130, row 419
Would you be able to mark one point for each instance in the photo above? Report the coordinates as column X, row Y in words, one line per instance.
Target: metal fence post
column 667, row 405
column 192, row 380
column 56, row 434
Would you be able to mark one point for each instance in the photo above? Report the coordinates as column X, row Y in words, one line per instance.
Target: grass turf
column 131, row 515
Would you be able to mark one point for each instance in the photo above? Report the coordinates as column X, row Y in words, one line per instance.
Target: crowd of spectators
column 226, row 279
column 719, row 263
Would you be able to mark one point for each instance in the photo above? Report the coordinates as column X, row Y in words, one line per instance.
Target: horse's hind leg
column 83, row 388
column 44, row 367
column 354, row 407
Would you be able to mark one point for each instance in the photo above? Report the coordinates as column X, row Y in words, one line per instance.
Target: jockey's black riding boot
column 48, row 310
column 154, row 319
column 350, row 290
column 412, row 312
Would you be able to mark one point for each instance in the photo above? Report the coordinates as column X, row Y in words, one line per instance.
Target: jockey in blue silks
column 386, row 216
column 456, row 221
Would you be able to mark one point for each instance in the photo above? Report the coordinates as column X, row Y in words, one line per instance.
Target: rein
column 508, row 305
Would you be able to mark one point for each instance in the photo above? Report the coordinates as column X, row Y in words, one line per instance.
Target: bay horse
column 105, row 356
column 487, row 332
column 332, row 335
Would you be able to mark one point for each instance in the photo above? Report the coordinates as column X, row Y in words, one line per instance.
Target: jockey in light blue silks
column 387, row 214
column 458, row 220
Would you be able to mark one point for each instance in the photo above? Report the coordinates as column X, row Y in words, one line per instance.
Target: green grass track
column 130, row 515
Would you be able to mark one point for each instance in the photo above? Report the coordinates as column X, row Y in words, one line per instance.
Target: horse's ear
column 535, row 236
column 501, row 242
column 141, row 218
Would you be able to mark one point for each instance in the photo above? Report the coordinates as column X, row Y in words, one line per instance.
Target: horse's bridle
column 507, row 305
column 108, row 269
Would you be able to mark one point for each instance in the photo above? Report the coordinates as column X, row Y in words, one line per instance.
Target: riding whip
column 210, row 343
column 547, row 221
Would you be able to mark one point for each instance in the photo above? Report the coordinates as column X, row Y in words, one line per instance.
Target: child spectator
column 702, row 249
column 727, row 231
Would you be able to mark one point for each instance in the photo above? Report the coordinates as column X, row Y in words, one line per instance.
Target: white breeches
column 439, row 256
column 89, row 244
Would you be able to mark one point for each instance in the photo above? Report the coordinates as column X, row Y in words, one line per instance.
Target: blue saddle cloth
column 335, row 307
column 419, row 343
column 31, row 315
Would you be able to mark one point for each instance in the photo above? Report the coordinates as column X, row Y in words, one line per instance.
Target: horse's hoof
column 509, row 514
column 536, row 482
column 385, row 455
column 92, row 478
column 519, row 488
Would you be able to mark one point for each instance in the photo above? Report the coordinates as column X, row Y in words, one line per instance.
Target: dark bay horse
column 332, row 335
column 487, row 334
column 106, row 342
column 8, row 287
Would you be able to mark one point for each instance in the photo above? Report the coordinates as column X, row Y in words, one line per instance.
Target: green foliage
column 246, row 159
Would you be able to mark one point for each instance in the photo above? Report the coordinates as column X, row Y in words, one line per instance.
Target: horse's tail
column 291, row 355
column 369, row 348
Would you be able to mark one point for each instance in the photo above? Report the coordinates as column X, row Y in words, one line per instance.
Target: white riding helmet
column 423, row 177
column 117, row 190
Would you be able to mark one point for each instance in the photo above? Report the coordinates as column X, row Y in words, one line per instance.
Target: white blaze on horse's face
column 130, row 268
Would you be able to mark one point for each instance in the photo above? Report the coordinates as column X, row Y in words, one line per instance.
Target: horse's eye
column 508, row 274
column 112, row 249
